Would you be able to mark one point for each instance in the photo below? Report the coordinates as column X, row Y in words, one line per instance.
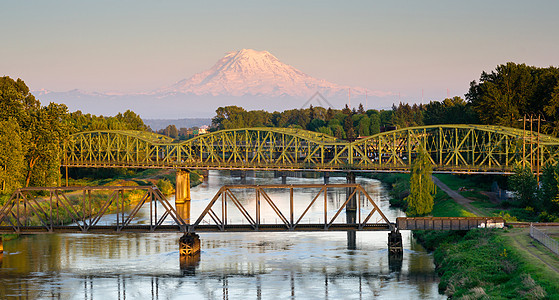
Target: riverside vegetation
column 483, row 263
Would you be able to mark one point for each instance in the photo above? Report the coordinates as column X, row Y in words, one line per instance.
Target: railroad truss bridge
column 451, row 149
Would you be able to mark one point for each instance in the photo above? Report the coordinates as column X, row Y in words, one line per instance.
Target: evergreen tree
column 361, row 110
column 422, row 188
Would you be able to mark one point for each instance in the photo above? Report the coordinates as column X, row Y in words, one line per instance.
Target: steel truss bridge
column 104, row 209
column 234, row 208
column 451, row 148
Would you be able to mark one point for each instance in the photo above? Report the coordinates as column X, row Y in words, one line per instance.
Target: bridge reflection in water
column 54, row 269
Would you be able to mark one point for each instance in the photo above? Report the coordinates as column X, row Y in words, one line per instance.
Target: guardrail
column 545, row 239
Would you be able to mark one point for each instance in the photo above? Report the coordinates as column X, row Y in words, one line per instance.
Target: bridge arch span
column 451, row 148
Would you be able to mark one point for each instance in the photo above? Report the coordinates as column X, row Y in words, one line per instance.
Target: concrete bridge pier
column 182, row 195
column 283, row 177
column 395, row 245
column 326, row 177
column 189, row 249
column 351, row 211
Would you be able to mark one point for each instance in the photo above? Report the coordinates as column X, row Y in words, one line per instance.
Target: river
column 288, row 265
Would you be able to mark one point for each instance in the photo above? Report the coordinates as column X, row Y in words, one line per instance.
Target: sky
column 417, row 49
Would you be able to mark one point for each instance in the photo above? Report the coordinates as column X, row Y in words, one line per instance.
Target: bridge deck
column 200, row 228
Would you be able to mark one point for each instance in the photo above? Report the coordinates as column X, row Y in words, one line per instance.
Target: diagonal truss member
column 248, row 212
column 80, row 209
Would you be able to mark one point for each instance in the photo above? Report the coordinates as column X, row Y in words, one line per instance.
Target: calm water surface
column 232, row 265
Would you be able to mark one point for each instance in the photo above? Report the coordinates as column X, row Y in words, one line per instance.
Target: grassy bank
column 482, row 263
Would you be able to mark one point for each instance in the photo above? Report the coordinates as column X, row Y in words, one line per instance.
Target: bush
column 165, row 186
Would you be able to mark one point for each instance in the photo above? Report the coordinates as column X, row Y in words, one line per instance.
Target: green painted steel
column 452, row 148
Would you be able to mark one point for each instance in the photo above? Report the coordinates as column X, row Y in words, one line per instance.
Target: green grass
column 481, row 265
column 445, row 206
column 514, row 240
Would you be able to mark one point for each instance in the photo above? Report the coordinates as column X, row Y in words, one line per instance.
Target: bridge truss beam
column 218, row 211
column 85, row 209
column 451, row 148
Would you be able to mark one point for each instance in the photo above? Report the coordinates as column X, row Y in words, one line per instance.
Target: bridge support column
column 182, row 195
column 395, row 246
column 189, row 249
column 189, row 244
column 351, row 212
column 326, row 177
column 205, row 173
column 283, row 177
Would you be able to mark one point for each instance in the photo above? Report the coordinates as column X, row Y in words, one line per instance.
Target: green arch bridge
column 451, row 148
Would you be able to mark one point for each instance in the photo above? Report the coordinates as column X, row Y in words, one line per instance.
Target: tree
column 47, row 131
column 375, row 123
column 361, row 110
column 524, row 184
column 422, row 188
column 505, row 95
column 549, row 192
column 171, row 131
column 12, row 156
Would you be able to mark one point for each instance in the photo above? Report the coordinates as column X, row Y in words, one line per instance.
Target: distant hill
column 157, row 124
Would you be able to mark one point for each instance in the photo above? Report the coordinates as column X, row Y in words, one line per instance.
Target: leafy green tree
column 326, row 130
column 386, row 118
column 374, row 126
column 315, row 124
column 422, row 188
column 12, row 156
column 450, row 111
column 361, row 110
column 363, row 127
column 524, row 184
column 171, row 131
column 47, row 131
column 505, row 95
column 549, row 192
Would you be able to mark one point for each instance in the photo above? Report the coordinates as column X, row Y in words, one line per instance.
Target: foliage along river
column 251, row 265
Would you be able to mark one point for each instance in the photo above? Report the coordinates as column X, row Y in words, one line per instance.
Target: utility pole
column 531, row 145
column 539, row 151
column 349, row 97
column 524, row 141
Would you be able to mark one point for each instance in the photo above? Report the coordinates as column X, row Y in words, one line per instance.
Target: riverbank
column 482, row 263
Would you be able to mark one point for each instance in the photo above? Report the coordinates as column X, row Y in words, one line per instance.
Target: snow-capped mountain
column 256, row 73
column 247, row 78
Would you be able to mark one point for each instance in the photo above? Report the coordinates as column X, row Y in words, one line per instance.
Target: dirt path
column 465, row 202
column 522, row 241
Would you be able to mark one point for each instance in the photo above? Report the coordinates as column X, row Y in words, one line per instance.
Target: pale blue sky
column 398, row 46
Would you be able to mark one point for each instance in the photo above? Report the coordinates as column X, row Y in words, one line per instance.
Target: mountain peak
column 249, row 72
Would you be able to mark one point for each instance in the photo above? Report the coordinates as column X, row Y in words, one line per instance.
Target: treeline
column 346, row 123
column 540, row 200
column 511, row 91
column 502, row 97
column 343, row 124
column 31, row 135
